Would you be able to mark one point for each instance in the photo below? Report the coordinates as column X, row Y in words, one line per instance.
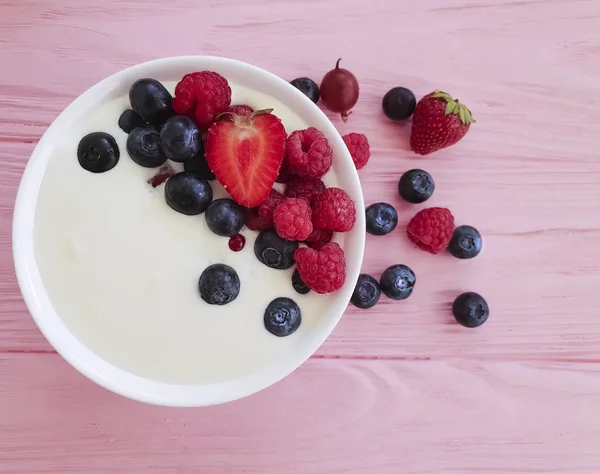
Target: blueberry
column 151, row 100
column 470, row 310
column 188, row 193
column 98, row 152
column 282, row 317
column 129, row 120
column 382, row 218
column 199, row 166
column 219, row 284
column 399, row 103
column 416, row 186
column 143, row 145
column 225, row 217
column 366, row 292
column 274, row 251
column 466, row 242
column 180, row 139
column 298, row 284
column 397, row 282
column 308, row 87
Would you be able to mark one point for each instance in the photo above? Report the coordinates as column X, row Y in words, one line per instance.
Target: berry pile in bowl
column 189, row 231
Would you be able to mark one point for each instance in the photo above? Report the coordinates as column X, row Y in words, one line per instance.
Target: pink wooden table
column 400, row 388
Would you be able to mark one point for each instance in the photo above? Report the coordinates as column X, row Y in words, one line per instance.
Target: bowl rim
column 93, row 366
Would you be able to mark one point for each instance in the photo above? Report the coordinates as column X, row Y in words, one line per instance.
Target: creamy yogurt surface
column 121, row 268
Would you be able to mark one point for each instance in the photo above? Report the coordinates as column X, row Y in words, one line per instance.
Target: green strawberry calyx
column 453, row 106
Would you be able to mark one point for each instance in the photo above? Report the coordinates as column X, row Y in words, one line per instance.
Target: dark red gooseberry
column 339, row 90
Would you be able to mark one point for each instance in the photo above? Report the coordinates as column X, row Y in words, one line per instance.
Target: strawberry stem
column 453, row 106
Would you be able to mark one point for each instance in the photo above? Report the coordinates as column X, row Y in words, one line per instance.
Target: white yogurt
column 121, row 268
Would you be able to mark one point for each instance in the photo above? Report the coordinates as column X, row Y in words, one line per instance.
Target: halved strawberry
column 245, row 154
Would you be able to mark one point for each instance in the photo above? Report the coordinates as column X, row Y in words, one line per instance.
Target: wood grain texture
column 400, row 388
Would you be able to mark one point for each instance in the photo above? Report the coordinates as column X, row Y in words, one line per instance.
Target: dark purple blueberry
column 416, row 186
column 470, row 310
column 180, row 139
column 151, row 100
column 143, row 145
column 299, row 284
column 282, row 317
column 382, row 218
column 129, row 120
column 219, row 284
column 199, row 165
column 399, row 103
column 308, row 87
column 366, row 292
column 188, row 193
column 466, row 242
column 274, row 251
column 397, row 282
column 98, row 152
column 225, row 217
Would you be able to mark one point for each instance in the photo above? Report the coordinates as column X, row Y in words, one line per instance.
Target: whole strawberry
column 439, row 121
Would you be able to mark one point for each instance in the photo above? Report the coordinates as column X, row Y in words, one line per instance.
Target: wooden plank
column 329, row 417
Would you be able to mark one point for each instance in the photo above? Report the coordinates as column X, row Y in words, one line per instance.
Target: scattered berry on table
column 151, row 100
column 219, row 284
column 292, row 219
column 470, row 310
column 439, row 121
column 143, row 146
column 382, row 218
column 201, row 96
column 273, row 251
column 466, row 242
column 129, row 120
column 225, row 217
column 308, row 87
column 188, row 194
column 308, row 189
column 298, row 284
column 180, row 139
column 324, row 270
column 253, row 221
column 237, row 242
column 416, row 186
column 397, row 282
column 339, row 90
column 244, row 110
column 164, row 173
column 366, row 292
column 198, row 165
column 431, row 229
column 308, row 153
column 318, row 238
column 267, row 208
column 334, row 211
column 282, row 317
column 98, row 152
column 245, row 154
column 358, row 146
column 399, row 103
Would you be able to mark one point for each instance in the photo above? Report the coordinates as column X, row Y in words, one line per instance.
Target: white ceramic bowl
column 32, row 286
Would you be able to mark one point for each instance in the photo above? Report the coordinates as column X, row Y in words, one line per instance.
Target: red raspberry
column 266, row 209
column 253, row 222
column 308, row 189
column 243, row 110
column 292, row 219
column 324, row 270
column 201, row 96
column 308, row 153
column 358, row 146
column 334, row 211
column 285, row 175
column 431, row 229
column 318, row 238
